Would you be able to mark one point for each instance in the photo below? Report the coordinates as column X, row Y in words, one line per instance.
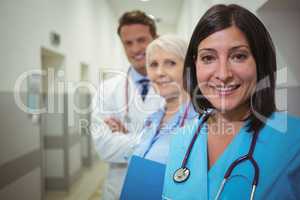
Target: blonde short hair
column 168, row 43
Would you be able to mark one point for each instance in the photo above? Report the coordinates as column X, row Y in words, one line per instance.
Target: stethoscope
column 126, row 115
column 182, row 174
column 155, row 137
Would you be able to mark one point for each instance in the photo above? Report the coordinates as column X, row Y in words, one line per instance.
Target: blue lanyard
column 158, row 128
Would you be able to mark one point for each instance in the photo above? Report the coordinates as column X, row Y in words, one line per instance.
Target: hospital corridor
column 55, row 55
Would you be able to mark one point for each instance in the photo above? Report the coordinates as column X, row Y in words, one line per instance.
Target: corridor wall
column 87, row 30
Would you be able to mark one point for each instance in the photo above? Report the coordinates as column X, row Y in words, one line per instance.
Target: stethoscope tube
column 248, row 156
column 182, row 174
column 181, row 124
column 126, row 116
column 187, row 155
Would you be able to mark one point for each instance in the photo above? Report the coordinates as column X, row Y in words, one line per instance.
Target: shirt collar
column 136, row 76
column 175, row 120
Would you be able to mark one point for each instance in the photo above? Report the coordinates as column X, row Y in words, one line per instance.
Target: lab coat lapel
column 136, row 117
column 136, row 109
column 119, row 101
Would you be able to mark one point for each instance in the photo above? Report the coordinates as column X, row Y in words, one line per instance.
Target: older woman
column 240, row 148
column 164, row 64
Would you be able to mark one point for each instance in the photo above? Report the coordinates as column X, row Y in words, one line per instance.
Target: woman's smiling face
column 165, row 70
column 226, row 69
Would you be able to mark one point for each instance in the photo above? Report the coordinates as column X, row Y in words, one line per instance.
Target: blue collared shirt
column 136, row 76
column 155, row 141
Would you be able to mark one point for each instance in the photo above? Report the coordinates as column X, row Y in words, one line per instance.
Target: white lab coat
column 115, row 148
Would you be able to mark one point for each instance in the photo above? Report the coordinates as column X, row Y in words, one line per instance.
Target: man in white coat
column 123, row 102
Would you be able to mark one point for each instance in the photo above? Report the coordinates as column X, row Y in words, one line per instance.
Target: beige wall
column 87, row 30
column 88, row 35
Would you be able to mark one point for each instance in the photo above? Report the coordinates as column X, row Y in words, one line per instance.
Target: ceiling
column 165, row 11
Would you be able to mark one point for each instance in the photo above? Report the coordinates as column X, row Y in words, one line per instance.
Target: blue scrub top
column 156, row 148
column 277, row 154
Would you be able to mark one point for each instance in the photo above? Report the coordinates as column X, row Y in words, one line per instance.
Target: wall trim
column 58, row 142
column 74, row 139
column 13, row 170
column 56, row 183
column 75, row 176
column 53, row 142
column 62, row 183
column 86, row 161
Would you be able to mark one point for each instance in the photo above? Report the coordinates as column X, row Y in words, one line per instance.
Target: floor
column 87, row 187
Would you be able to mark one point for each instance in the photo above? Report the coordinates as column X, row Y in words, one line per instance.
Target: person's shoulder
column 185, row 133
column 115, row 80
column 155, row 114
column 282, row 135
column 109, row 86
column 281, row 115
column 283, row 127
column 284, row 122
column 153, row 117
column 192, row 114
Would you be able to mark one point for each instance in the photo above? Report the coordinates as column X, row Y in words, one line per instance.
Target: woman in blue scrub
column 164, row 64
column 241, row 147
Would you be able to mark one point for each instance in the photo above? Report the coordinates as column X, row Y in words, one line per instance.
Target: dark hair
column 137, row 17
column 220, row 17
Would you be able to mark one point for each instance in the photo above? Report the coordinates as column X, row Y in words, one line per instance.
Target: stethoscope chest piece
column 182, row 174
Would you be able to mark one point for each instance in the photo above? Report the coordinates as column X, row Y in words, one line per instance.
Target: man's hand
column 115, row 125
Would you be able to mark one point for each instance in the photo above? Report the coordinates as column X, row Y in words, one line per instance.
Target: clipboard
column 144, row 180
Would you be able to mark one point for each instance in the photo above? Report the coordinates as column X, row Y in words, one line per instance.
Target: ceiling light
column 152, row 17
column 156, row 19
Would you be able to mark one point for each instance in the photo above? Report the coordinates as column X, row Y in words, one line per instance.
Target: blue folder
column 144, row 180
